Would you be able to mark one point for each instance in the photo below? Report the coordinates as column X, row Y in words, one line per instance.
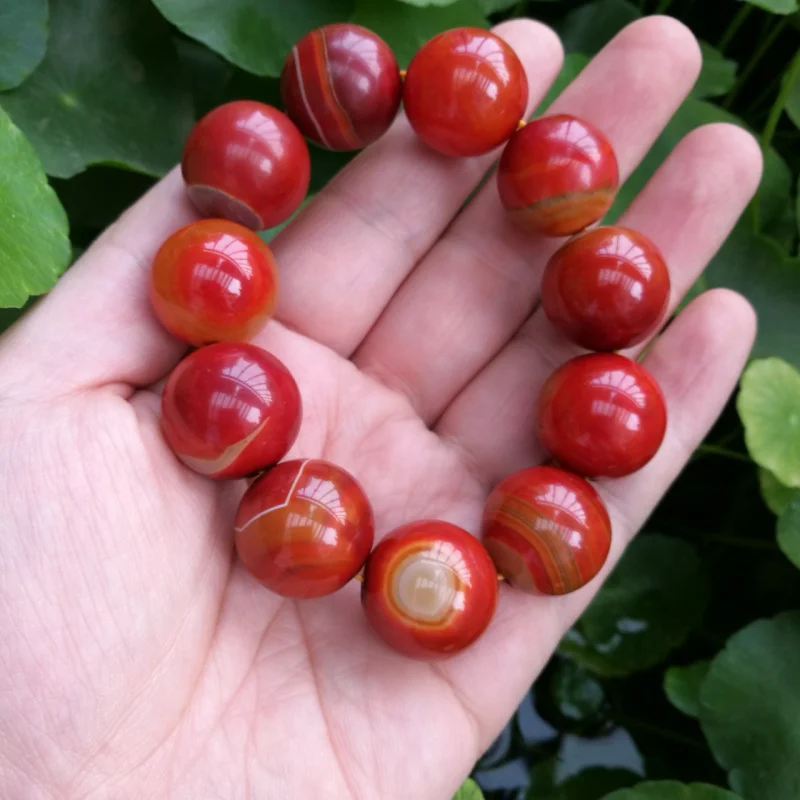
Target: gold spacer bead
column 521, row 124
column 403, row 74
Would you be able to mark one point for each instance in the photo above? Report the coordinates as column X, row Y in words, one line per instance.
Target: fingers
column 477, row 285
column 697, row 362
column 344, row 258
column 96, row 326
column 688, row 208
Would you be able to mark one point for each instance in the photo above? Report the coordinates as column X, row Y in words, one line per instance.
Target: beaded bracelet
column 305, row 528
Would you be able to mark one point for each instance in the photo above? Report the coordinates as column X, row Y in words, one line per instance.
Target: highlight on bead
column 305, row 528
column 557, row 175
column 601, row 414
column 247, row 162
column 341, row 86
column 430, row 589
column 547, row 530
column 230, row 409
column 465, row 92
column 213, row 281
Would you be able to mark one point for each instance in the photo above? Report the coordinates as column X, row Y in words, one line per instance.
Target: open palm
column 138, row 659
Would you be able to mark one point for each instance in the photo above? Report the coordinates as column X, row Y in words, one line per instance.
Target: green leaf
column 777, row 497
column 578, row 698
column 588, row 784
column 682, row 686
column 23, row 39
column 406, row 29
column 769, row 405
column 108, row 91
column 34, row 236
column 253, row 34
column 572, row 67
column 656, row 595
column 672, row 790
column 493, row 6
column 469, row 791
column 792, row 106
column 750, row 707
column 789, row 532
column 426, row 3
column 717, row 75
column 591, row 26
column 776, row 6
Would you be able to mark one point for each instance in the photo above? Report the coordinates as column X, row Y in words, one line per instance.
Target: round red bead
column 430, row 589
column 230, row 409
column 304, row 529
column 602, row 414
column 465, row 92
column 606, row 289
column 247, row 162
column 213, row 281
column 547, row 530
column 557, row 175
column 341, row 86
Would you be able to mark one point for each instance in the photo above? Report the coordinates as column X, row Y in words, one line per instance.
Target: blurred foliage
column 680, row 682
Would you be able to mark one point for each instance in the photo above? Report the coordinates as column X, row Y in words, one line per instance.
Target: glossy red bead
column 304, row 529
column 547, row 530
column 465, row 92
column 230, row 409
column 606, row 289
column 602, row 414
column 213, row 281
column 430, row 589
column 557, row 175
column 341, row 86
column 247, row 162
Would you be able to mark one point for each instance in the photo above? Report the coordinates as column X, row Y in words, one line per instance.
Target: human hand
column 138, row 659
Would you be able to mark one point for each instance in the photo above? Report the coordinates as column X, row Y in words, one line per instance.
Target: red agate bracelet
column 231, row 410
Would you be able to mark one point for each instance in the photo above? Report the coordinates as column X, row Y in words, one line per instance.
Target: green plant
column 684, row 670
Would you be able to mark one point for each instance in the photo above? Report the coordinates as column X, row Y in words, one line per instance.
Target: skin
column 138, row 659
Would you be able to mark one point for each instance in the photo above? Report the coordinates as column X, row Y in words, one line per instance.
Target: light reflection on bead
column 601, row 414
column 213, row 281
column 304, row 529
column 548, row 531
column 606, row 289
column 557, row 175
column 230, row 409
column 430, row 589
column 341, row 86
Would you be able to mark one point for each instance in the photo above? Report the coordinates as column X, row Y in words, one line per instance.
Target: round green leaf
column 469, row 791
column 672, row 790
column 777, row 497
column 253, row 34
column 108, row 91
column 588, row 784
column 769, row 405
column 406, row 29
column 776, row 6
column 717, row 75
column 789, row 532
column 426, row 3
column 34, row 237
column 577, row 696
column 750, row 707
column 656, row 595
column 792, row 106
column 682, row 686
column 23, row 39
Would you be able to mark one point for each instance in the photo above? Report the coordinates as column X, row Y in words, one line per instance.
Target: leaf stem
column 662, row 7
column 724, row 452
column 735, row 24
column 789, row 78
column 765, row 46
